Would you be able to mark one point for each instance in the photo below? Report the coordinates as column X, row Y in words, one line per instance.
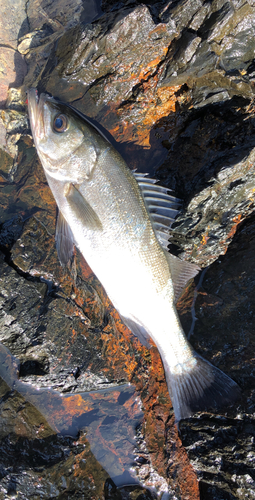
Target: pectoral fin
column 64, row 240
column 181, row 272
column 82, row 210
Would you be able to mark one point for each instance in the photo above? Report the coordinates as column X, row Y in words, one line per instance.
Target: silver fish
column 120, row 221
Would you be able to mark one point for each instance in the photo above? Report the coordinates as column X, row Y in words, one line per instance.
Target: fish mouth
column 36, row 113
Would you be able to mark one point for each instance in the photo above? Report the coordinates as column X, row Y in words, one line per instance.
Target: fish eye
column 60, row 123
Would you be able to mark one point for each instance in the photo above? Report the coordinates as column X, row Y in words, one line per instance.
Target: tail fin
column 197, row 385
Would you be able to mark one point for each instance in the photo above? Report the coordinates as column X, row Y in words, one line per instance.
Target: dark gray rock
column 173, row 82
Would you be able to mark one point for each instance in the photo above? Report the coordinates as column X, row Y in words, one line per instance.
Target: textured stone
column 173, row 82
column 55, row 15
column 13, row 23
column 13, row 69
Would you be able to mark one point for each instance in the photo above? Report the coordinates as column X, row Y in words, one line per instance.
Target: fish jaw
column 32, row 103
column 40, row 116
column 37, row 115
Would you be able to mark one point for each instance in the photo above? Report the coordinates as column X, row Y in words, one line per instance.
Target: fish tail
column 197, row 385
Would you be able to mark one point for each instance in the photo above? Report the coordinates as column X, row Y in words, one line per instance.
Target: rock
column 58, row 14
column 13, row 67
column 13, row 23
column 30, row 41
column 13, row 70
column 216, row 180
column 173, row 83
column 221, row 447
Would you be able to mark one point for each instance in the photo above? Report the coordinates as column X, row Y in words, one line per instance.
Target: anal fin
column 137, row 330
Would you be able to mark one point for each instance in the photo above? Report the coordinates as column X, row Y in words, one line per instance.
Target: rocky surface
column 172, row 83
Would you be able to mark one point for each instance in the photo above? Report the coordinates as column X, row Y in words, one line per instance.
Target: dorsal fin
column 162, row 206
column 181, row 272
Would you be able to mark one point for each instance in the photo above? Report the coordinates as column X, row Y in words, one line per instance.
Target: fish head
column 60, row 135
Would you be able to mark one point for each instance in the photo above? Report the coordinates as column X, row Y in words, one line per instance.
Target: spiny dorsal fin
column 181, row 272
column 162, row 207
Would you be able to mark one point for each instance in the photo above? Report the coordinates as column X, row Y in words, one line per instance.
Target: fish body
column 118, row 221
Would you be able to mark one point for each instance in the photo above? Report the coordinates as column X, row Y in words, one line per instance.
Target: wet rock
column 13, row 124
column 216, row 179
column 59, row 14
column 47, row 22
column 221, row 447
column 99, row 426
column 173, row 82
column 30, row 41
column 184, row 43
column 28, row 25
column 106, row 421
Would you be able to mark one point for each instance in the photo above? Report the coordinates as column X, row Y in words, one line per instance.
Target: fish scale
column 121, row 223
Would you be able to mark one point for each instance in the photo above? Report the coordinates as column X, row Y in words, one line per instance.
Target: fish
column 120, row 221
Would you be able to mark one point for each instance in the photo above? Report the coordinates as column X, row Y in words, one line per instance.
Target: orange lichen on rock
column 74, row 405
column 117, row 353
column 167, row 104
column 236, row 221
column 205, row 238
column 179, row 465
column 145, row 72
column 154, row 104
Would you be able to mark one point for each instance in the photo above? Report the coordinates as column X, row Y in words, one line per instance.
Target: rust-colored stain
column 167, row 104
column 205, row 238
column 154, row 104
column 236, row 221
column 145, row 72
